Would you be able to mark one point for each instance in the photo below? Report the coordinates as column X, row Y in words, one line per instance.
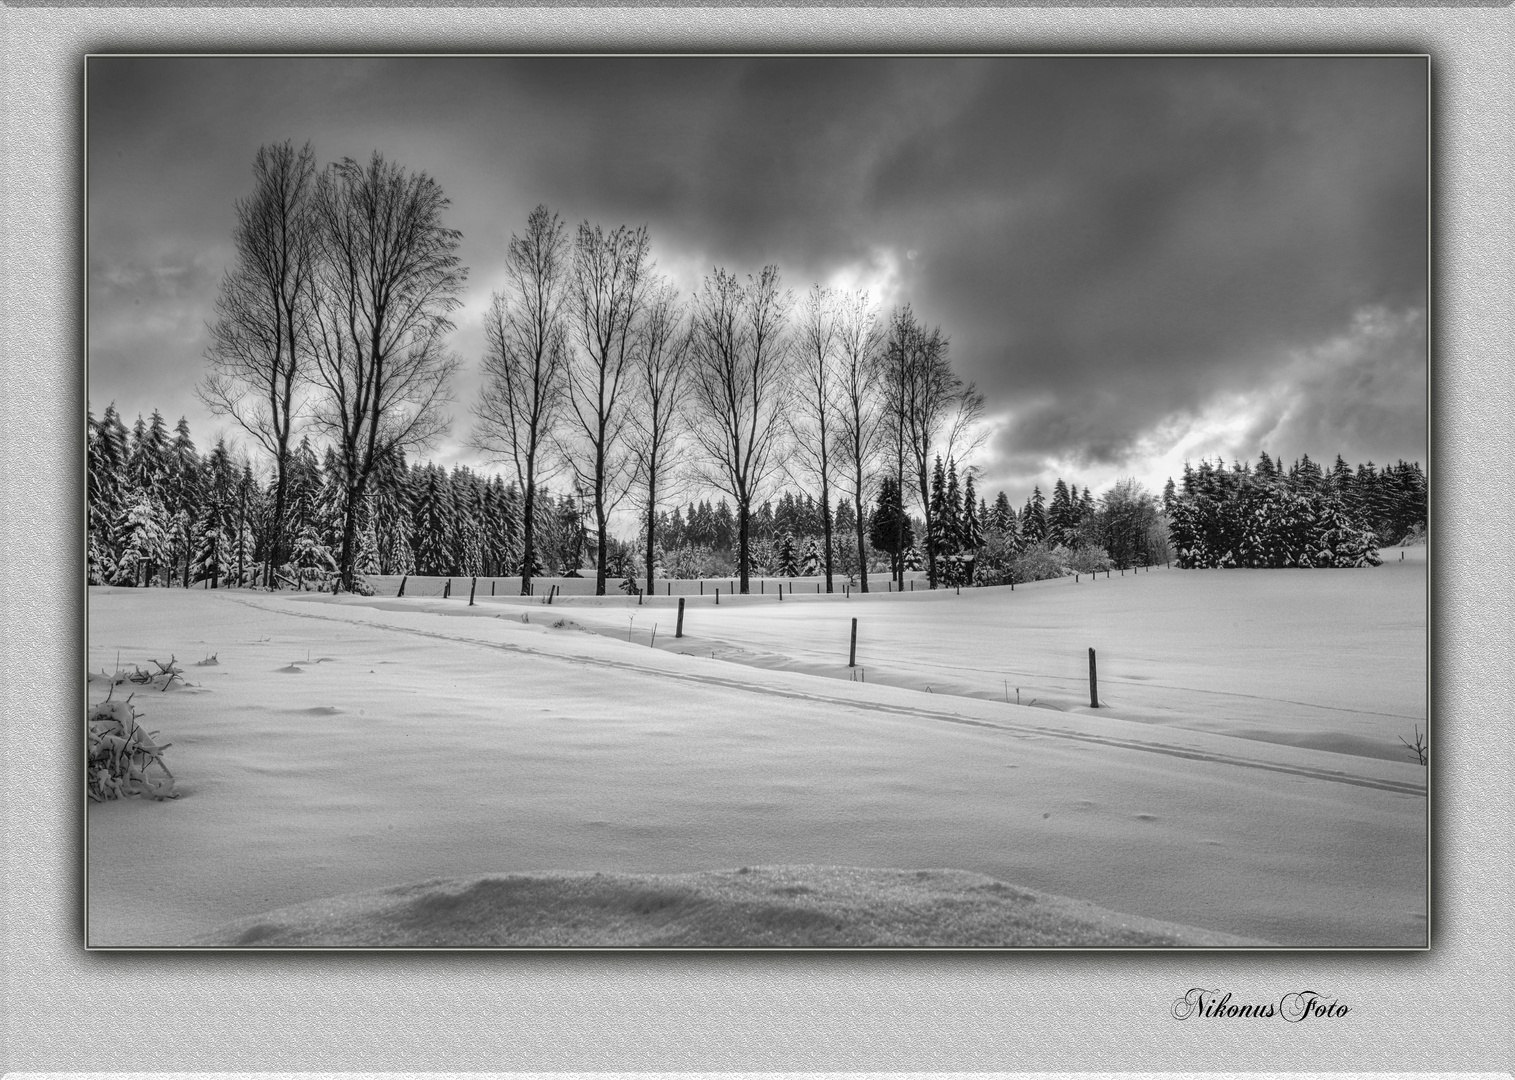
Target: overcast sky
column 1138, row 260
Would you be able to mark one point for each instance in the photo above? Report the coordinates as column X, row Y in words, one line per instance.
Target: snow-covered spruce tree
column 389, row 504
column 812, row 561
column 1001, row 515
column 1340, row 541
column 941, row 541
column 142, row 539
column 213, row 548
column 1060, row 523
column 433, row 521
column 1033, row 521
column 302, row 508
column 788, row 557
column 503, row 528
column 181, row 497
column 106, row 494
column 971, row 528
column 213, row 529
column 311, row 562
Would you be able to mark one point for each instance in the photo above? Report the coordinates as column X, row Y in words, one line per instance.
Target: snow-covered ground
column 347, row 744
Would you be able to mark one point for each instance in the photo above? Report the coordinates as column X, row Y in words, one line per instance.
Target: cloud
column 1129, row 255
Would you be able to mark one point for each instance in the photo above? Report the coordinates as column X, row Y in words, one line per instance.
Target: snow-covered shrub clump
column 123, row 755
column 1085, row 558
column 1037, row 563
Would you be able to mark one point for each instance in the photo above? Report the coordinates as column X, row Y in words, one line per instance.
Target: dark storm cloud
column 1113, row 245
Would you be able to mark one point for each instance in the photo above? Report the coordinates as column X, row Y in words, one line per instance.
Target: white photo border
column 71, row 1010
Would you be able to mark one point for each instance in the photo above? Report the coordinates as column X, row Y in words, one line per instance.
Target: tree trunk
column 652, row 519
column 743, row 518
column 600, row 562
column 349, row 537
column 862, row 544
column 826, row 521
column 528, row 532
column 276, row 541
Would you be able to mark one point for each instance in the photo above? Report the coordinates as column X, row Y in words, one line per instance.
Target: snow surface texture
column 350, row 744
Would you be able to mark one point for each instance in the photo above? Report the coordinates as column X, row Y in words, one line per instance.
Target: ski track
column 1328, row 775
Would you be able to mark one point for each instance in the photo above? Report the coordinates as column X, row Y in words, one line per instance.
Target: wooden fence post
column 678, row 630
column 447, row 589
column 472, row 585
column 717, row 596
column 403, row 580
column 852, row 652
column 1093, row 683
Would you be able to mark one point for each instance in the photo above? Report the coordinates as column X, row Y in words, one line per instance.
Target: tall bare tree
column 610, row 272
column 257, row 351
column 525, row 363
column 662, row 374
column 386, row 283
column 813, row 419
column 738, row 371
column 861, row 434
column 934, row 411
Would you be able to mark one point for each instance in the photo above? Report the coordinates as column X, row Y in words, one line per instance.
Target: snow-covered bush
column 121, row 755
column 1037, row 563
column 1085, row 559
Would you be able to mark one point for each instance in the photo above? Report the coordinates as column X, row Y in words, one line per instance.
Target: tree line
column 1300, row 517
column 328, row 349
column 161, row 512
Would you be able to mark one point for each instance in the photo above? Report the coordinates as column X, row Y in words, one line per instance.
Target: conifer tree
column 181, row 496
column 788, row 559
column 952, row 531
column 214, row 532
column 1034, row 518
column 1059, row 515
column 811, row 565
column 971, row 533
column 1002, row 517
column 433, row 522
column 106, row 496
column 889, row 527
column 142, row 539
column 938, row 538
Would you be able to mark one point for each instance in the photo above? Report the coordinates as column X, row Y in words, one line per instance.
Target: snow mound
column 827, row 907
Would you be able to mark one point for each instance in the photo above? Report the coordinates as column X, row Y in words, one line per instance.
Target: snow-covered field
column 1241, row 778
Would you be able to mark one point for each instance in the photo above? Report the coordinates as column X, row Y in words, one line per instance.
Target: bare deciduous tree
column 610, row 273
column 929, row 403
column 861, row 434
column 386, row 282
column 257, row 348
column 738, row 372
column 525, row 362
column 813, row 420
column 662, row 373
